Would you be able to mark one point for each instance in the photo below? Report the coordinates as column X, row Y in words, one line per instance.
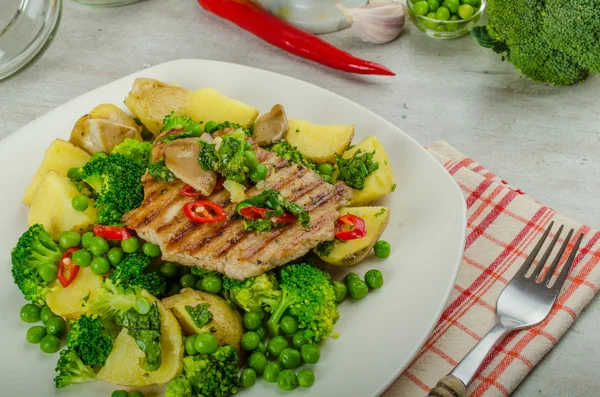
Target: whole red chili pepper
column 204, row 211
column 350, row 227
column 260, row 22
column 66, row 265
column 112, row 232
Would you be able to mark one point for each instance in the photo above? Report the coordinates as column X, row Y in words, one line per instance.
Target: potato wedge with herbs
column 51, row 206
column 208, row 104
column 226, row 322
column 66, row 302
column 123, row 364
column 61, row 156
column 151, row 100
column 351, row 252
column 319, row 142
column 381, row 181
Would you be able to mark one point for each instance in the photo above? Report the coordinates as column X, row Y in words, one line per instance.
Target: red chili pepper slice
column 112, row 232
column 350, row 227
column 252, row 213
column 189, row 191
column 66, row 265
column 204, row 211
column 285, row 218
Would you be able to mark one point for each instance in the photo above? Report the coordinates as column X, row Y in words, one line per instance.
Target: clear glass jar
column 107, row 3
column 27, row 28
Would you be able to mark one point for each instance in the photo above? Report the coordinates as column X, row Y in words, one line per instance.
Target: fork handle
column 455, row 383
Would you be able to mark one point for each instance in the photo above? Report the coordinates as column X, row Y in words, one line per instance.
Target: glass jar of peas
column 445, row 19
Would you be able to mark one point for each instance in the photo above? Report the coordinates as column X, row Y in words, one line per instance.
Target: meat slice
column 226, row 247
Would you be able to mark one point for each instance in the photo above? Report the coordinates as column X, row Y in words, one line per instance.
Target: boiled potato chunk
column 103, row 128
column 61, row 156
column 151, row 100
column 51, row 206
column 208, row 104
column 66, row 302
column 380, row 182
column 123, row 364
column 319, row 142
column 348, row 253
column 226, row 321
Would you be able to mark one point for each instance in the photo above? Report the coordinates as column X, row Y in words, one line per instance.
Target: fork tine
column 540, row 267
column 560, row 280
column 556, row 261
column 525, row 266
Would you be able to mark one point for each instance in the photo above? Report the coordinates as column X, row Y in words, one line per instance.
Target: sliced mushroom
column 181, row 156
column 270, row 127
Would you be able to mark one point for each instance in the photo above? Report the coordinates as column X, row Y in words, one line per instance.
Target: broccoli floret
column 130, row 273
column 113, row 300
column 140, row 152
column 72, row 370
column 172, row 121
column 214, row 375
column 256, row 294
column 308, row 295
column 355, row 170
column 90, row 340
column 35, row 250
column 116, row 180
column 153, row 282
column 227, row 124
column 553, row 41
column 290, row 153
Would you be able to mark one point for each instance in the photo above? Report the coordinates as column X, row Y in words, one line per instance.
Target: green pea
column 206, row 343
column 298, row 339
column 99, row 155
column 250, row 341
column 421, row 8
column 259, row 173
column 168, row 269
column 382, row 248
column 119, row 393
column 247, row 145
column 35, row 334
column 442, row 14
column 262, row 348
column 212, row 284
column 142, row 306
column 209, row 126
column 262, row 332
column 327, row 178
column 351, row 276
column 69, row 239
column 188, row 281
column 252, row 321
column 311, row 353
column 190, row 345
column 74, row 174
column 50, row 344
column 130, row 245
column 237, row 178
column 374, row 279
column 306, row 378
column 82, row 258
column 99, row 246
column 174, row 289
column 451, row 27
column 86, row 239
column 469, row 2
column 30, row 313
column 288, row 324
column 251, row 160
column 115, row 255
column 451, row 5
column 287, row 380
column 290, row 358
column 466, row 11
column 80, row 202
column 248, row 377
column 258, row 362
column 56, row 326
column 136, row 394
column 276, row 345
column 48, row 272
column 46, row 314
column 100, row 265
column 357, row 289
column 271, row 372
column 340, row 291
column 151, row 250
column 325, row 169
column 433, row 5
column 431, row 24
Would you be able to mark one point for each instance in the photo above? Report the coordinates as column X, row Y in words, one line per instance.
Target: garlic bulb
column 377, row 23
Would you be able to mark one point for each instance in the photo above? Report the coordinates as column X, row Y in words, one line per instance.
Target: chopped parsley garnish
column 324, row 248
column 290, row 153
column 394, row 187
column 200, row 314
column 356, row 169
column 227, row 124
column 160, row 171
column 277, row 206
column 228, row 160
column 380, row 212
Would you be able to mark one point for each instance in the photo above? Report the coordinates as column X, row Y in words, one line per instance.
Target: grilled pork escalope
column 226, row 247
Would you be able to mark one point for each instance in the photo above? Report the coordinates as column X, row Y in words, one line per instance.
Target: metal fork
column 524, row 302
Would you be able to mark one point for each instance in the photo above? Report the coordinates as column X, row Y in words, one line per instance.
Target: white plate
column 379, row 335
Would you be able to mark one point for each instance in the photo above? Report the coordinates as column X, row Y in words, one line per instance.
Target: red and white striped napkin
column 503, row 226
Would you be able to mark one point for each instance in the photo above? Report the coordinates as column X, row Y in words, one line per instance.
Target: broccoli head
column 227, row 124
column 90, row 340
column 553, row 41
column 34, row 263
column 226, row 157
column 138, row 151
column 130, row 272
column 116, row 180
column 256, row 294
column 214, row 375
column 308, row 295
column 112, row 302
column 72, row 370
column 173, row 121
